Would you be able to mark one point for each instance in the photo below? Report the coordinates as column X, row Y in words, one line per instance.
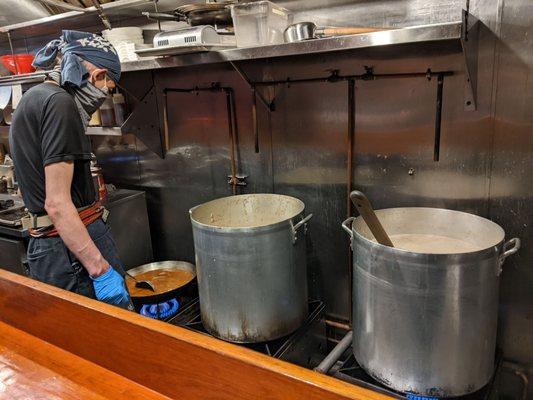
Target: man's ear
column 98, row 74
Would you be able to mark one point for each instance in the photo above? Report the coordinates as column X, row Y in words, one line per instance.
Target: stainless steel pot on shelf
column 251, row 266
column 426, row 323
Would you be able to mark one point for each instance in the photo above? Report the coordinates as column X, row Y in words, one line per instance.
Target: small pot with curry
column 170, row 279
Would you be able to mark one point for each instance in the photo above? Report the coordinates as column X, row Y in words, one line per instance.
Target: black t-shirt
column 46, row 129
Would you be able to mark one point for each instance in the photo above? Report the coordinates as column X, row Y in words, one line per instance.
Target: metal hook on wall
column 438, row 117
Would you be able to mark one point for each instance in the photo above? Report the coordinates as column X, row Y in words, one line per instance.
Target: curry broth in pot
column 163, row 281
column 169, row 278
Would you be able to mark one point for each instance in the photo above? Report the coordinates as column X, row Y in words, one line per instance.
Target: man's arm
column 67, row 222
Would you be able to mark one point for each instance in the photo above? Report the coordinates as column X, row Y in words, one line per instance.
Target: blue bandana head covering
column 76, row 46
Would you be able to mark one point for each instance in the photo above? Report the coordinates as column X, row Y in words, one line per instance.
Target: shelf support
column 143, row 122
column 470, row 44
column 270, row 106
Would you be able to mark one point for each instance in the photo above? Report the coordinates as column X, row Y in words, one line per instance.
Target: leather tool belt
column 42, row 226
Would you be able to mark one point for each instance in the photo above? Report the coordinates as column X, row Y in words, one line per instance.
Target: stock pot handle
column 347, row 226
column 295, row 228
column 509, row 248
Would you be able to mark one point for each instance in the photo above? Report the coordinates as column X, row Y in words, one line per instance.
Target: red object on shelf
column 23, row 62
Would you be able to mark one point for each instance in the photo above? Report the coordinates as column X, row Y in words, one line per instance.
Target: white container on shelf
column 132, row 34
column 125, row 40
column 259, row 23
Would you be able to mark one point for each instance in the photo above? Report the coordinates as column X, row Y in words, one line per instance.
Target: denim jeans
column 50, row 261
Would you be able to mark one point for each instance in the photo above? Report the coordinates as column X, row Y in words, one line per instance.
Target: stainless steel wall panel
column 394, row 134
column 118, row 158
column 511, row 183
column 197, row 164
column 307, row 157
column 309, row 160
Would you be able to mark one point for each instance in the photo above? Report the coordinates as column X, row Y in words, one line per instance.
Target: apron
column 50, row 261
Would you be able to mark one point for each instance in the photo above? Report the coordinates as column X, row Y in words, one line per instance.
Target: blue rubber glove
column 111, row 288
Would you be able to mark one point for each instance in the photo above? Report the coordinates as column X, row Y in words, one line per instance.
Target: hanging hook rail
column 369, row 75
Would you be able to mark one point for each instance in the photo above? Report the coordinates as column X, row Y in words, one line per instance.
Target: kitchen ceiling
column 66, row 5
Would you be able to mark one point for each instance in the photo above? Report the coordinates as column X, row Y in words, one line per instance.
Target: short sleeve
column 62, row 133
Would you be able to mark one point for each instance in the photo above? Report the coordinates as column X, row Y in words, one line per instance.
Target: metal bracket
column 334, row 76
column 241, row 180
column 470, row 45
column 144, row 123
column 269, row 105
column 369, row 73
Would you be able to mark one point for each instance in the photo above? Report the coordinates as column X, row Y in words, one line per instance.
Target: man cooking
column 70, row 245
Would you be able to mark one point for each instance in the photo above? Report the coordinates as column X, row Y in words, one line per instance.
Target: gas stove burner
column 6, row 204
column 162, row 310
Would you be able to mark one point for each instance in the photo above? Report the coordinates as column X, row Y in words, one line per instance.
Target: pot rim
column 490, row 250
column 280, row 224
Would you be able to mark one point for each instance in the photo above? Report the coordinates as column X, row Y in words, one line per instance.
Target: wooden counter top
column 30, row 368
column 130, row 349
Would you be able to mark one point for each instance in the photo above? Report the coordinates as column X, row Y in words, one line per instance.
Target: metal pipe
column 166, row 137
column 12, row 52
column 350, row 139
column 156, row 9
column 21, row 79
column 101, row 14
column 212, row 88
column 255, row 94
column 438, row 118
column 254, row 120
column 334, row 77
column 230, row 104
column 521, row 374
column 338, row 325
column 351, row 132
column 335, row 354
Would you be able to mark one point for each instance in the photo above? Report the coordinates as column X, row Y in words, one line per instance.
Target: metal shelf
column 460, row 36
column 91, row 130
column 443, row 32
column 415, row 35
column 104, row 131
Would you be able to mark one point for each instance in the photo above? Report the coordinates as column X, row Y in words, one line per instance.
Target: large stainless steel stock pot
column 425, row 321
column 251, row 266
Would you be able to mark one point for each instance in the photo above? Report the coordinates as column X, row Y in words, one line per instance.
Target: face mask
column 88, row 98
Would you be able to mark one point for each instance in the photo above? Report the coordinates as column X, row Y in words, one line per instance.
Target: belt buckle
column 105, row 214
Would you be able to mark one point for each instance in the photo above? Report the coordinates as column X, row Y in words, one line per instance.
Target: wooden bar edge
column 170, row 360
